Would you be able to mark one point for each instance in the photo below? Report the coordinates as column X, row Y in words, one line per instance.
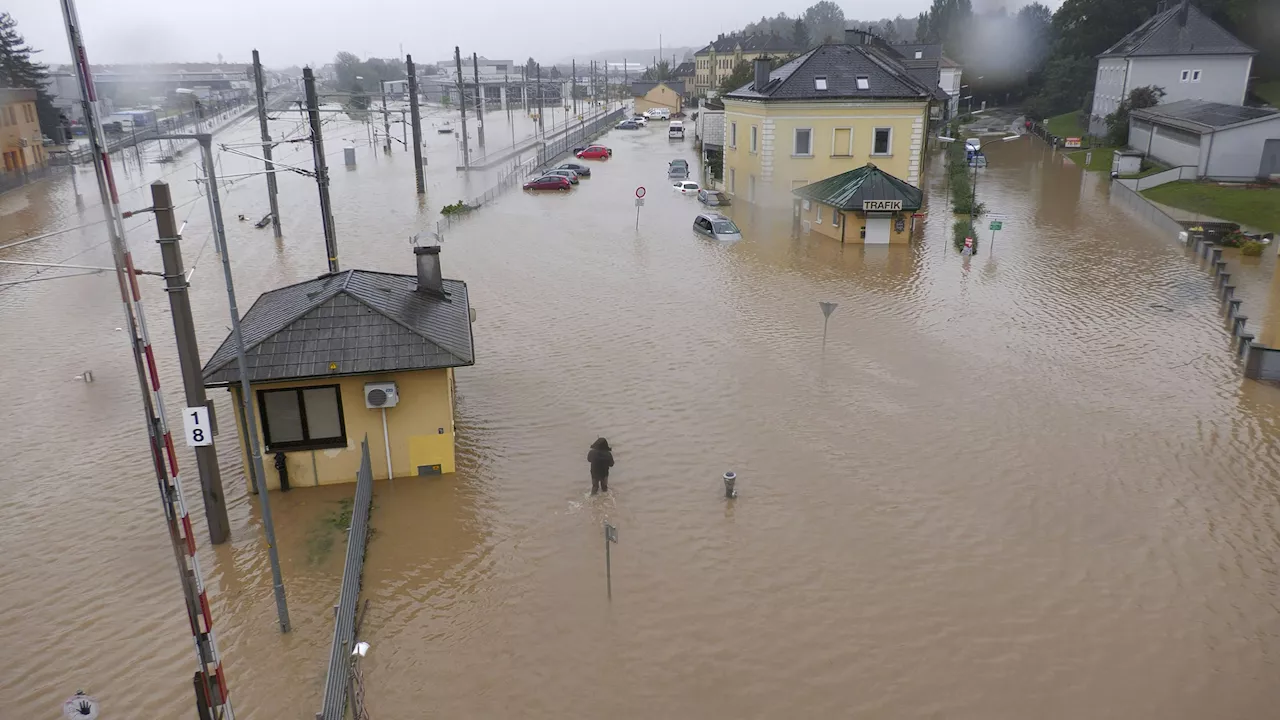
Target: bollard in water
column 730, row 479
column 349, row 154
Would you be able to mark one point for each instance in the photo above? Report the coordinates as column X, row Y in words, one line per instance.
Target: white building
column 1222, row 142
column 1179, row 50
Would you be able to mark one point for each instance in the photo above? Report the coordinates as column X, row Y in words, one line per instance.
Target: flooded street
column 1029, row 485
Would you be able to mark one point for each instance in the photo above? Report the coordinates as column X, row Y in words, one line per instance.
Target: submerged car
column 549, row 182
column 593, row 152
column 640, row 120
column 713, row 198
column 678, row 168
column 686, row 187
column 628, row 125
column 581, row 170
column 569, row 175
column 716, row 226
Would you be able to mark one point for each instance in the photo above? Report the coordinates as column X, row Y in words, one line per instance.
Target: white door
column 878, row 230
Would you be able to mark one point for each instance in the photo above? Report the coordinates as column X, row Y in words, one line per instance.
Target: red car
column 595, row 152
column 548, row 182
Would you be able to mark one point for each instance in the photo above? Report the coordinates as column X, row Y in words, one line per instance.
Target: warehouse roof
column 1202, row 117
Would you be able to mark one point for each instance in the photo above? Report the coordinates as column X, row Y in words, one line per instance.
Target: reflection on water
column 1035, row 487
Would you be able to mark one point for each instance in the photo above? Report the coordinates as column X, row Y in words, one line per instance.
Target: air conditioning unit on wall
column 380, row 395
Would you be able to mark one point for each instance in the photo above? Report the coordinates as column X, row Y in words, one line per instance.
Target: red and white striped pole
column 211, row 680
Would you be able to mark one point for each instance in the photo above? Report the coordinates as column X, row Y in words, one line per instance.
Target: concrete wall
column 414, row 426
column 1236, row 153
column 1223, row 78
column 778, row 170
column 1171, row 146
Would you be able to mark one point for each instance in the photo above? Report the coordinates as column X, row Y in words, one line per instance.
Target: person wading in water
column 601, row 458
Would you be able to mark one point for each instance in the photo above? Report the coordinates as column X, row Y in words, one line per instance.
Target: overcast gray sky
column 311, row 31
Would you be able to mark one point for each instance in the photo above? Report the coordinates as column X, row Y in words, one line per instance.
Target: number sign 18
column 195, row 421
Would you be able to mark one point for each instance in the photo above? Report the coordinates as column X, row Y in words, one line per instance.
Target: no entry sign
column 640, row 191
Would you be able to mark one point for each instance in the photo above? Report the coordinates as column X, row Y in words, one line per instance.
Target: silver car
column 570, row 175
column 715, row 225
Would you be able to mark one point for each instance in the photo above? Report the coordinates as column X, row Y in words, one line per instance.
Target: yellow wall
column 660, row 96
column 26, row 126
column 778, row 172
column 851, row 223
column 425, row 407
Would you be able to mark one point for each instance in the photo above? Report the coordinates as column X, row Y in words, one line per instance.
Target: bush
column 1252, row 248
column 458, row 208
column 961, row 230
column 1234, row 239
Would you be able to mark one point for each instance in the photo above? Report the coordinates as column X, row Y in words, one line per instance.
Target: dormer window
column 919, row 54
column 820, row 82
column 864, row 83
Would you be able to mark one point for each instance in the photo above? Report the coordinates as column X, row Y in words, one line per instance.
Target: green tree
column 1118, row 121
column 946, row 22
column 19, row 70
column 661, row 72
column 800, row 34
column 825, row 21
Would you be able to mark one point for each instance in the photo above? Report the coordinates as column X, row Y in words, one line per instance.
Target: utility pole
column 242, row 367
column 462, row 106
column 266, row 145
column 541, row 126
column 386, row 120
column 475, row 67
column 417, row 124
column 574, row 88
column 184, row 332
column 322, row 170
column 209, row 680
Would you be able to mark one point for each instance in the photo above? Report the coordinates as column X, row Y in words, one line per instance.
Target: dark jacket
column 601, row 458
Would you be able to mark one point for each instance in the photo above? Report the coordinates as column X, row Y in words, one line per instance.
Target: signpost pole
column 608, row 563
column 827, row 309
column 639, row 204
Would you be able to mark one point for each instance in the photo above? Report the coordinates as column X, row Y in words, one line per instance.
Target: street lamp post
column 973, row 195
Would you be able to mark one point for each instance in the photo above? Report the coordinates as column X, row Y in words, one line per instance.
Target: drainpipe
column 1208, row 156
column 844, row 222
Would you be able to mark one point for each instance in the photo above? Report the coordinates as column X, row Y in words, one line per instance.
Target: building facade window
column 882, row 144
column 733, row 134
column 842, row 142
column 835, row 217
column 755, row 138
column 1195, row 76
column 864, row 82
column 820, row 82
column 733, row 181
column 1186, row 75
column 304, row 418
column 803, row 145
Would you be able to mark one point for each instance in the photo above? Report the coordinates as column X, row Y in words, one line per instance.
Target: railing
column 339, row 677
column 1125, row 191
column 17, row 178
column 547, row 154
column 1182, row 172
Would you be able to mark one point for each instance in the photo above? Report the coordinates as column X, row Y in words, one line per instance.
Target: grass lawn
column 1067, row 125
column 1151, row 169
column 1101, row 161
column 1269, row 91
column 1255, row 207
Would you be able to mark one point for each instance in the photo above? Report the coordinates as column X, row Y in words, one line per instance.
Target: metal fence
column 547, row 153
column 17, row 178
column 340, row 677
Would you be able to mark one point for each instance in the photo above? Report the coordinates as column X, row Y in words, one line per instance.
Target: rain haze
column 294, row 32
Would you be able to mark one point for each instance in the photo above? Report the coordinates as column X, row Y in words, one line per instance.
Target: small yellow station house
column 867, row 205
column 648, row 96
column 351, row 354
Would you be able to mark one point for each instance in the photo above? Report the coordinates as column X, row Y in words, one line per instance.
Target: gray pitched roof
column 848, row 190
column 685, row 68
column 364, row 322
column 928, row 51
column 841, row 65
column 1201, row 117
column 761, row 42
column 1165, row 34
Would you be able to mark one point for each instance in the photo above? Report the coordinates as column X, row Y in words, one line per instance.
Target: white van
column 658, row 113
column 675, row 130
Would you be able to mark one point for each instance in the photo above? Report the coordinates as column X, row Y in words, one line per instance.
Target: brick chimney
column 1183, row 12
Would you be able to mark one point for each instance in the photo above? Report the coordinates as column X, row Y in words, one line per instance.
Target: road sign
column 996, row 225
column 610, row 532
column 1072, row 142
column 640, row 192
column 639, row 202
column 827, row 308
column 195, row 423
column 80, row 707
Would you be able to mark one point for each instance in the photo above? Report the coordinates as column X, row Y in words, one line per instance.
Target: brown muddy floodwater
column 1030, row 485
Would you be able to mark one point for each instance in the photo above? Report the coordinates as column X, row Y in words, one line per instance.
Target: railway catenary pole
column 210, row 681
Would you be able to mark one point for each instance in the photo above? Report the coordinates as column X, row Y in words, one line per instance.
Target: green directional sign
column 996, row 225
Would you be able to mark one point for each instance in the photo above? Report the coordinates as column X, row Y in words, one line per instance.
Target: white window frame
column 835, row 217
column 919, row 54
column 876, row 132
column 795, row 138
column 1186, row 76
column 863, row 82
column 733, row 135
column 820, row 82
column 817, row 214
column 833, row 143
column 1195, row 76
column 755, row 140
